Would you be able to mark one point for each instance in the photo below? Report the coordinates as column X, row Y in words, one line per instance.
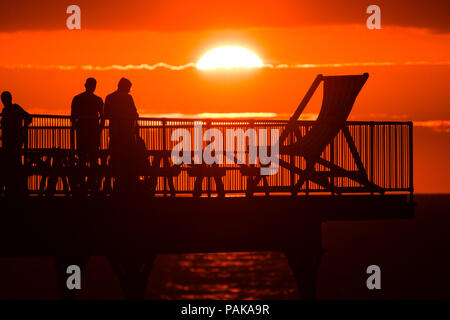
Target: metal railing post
column 292, row 158
column 164, row 121
column 411, row 166
column 371, row 151
column 333, row 180
column 208, row 126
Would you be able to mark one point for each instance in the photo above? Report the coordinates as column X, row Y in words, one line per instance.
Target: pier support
column 304, row 259
column 133, row 274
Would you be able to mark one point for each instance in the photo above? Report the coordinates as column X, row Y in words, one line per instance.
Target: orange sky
column 409, row 59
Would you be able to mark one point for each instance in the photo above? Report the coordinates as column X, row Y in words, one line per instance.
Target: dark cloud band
column 181, row 15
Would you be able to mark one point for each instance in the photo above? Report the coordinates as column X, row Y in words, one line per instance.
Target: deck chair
column 339, row 95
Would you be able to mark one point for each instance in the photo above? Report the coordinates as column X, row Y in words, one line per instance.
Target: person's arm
column 26, row 117
column 134, row 115
column 2, row 123
column 133, row 107
column 107, row 109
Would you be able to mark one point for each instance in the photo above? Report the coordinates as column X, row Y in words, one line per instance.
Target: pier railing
column 385, row 149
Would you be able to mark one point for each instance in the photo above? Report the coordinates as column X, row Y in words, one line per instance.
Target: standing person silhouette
column 87, row 120
column 14, row 122
column 121, row 110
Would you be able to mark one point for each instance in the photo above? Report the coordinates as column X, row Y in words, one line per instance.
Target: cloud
column 164, row 65
column 103, row 68
column 140, row 67
column 436, row 125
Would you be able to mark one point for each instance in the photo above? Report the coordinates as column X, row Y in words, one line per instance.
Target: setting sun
column 228, row 57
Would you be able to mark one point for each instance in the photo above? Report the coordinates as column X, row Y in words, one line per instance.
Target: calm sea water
column 244, row 275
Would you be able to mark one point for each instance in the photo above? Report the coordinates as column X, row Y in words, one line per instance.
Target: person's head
column 6, row 98
column 90, row 85
column 124, row 85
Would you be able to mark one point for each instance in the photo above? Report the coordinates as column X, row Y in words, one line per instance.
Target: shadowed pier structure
column 329, row 169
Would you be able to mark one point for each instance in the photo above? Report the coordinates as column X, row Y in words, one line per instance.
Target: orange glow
column 212, row 115
column 44, row 69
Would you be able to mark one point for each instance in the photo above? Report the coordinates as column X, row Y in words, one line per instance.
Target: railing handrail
column 233, row 121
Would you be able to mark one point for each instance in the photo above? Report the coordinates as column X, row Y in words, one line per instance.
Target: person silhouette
column 87, row 120
column 15, row 121
column 122, row 114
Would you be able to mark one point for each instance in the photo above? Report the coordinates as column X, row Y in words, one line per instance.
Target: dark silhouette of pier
column 329, row 169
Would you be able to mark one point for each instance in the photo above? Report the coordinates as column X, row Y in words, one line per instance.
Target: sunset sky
column 156, row 44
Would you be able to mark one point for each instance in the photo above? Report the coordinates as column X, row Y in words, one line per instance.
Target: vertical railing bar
column 208, row 126
column 401, row 158
column 411, row 167
column 395, row 156
column 333, row 182
column 164, row 149
column 292, row 159
column 371, row 151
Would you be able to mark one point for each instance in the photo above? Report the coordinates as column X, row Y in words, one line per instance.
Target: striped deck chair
column 339, row 95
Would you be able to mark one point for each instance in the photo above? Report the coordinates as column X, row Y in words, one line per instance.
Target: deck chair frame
column 324, row 178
